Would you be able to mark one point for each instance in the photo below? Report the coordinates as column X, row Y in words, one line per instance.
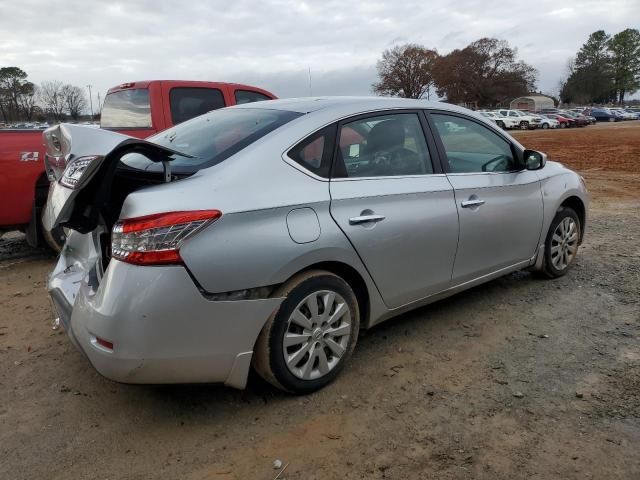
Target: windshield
column 214, row 136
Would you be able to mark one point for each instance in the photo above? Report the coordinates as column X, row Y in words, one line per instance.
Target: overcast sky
column 273, row 43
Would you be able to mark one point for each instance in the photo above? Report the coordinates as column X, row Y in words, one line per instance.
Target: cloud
column 273, row 43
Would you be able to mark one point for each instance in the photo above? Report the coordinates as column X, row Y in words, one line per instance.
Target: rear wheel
column 561, row 244
column 306, row 342
column 524, row 125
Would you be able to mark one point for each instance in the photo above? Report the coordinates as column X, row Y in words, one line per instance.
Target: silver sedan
column 267, row 235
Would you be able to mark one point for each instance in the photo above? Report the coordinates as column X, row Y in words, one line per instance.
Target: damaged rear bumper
column 162, row 329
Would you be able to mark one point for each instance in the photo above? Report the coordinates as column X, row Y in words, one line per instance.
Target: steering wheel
column 496, row 160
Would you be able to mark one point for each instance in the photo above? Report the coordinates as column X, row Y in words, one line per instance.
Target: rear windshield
column 126, row 109
column 215, row 136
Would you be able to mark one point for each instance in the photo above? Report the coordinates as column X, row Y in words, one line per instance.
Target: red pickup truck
column 138, row 109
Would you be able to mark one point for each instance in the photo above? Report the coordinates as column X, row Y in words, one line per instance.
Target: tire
column 501, row 124
column 303, row 372
column 611, row 119
column 545, row 126
column 524, row 125
column 562, row 242
column 562, row 125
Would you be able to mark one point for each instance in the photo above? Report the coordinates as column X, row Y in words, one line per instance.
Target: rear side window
column 247, row 96
column 314, row 153
column 126, row 109
column 189, row 102
column 383, row 146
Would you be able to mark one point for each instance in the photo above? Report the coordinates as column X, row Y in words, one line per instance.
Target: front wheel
column 305, row 344
column 524, row 125
column 561, row 244
column 545, row 126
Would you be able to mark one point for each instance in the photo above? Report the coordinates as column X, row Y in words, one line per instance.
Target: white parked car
column 624, row 114
column 548, row 122
column 500, row 120
column 525, row 120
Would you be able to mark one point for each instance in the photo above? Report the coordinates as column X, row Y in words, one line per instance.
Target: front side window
column 247, row 96
column 471, row 147
column 189, row 102
column 126, row 109
column 381, row 146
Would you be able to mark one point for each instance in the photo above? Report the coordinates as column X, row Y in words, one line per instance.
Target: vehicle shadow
column 432, row 319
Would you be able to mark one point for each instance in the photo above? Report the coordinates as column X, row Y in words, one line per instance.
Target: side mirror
column 534, row 160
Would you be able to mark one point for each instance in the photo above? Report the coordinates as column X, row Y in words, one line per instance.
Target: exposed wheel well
column 577, row 206
column 42, row 189
column 355, row 281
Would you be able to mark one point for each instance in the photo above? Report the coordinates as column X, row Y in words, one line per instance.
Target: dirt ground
column 518, row 378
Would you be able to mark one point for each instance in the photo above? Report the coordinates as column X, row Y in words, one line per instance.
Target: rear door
column 499, row 203
column 394, row 204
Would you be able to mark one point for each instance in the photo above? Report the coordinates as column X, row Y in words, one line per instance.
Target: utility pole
column 310, row 91
column 99, row 104
column 90, row 101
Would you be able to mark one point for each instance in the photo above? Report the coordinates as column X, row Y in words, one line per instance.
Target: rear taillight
column 78, row 170
column 156, row 239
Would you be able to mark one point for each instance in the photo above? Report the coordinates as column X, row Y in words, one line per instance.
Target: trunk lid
column 82, row 162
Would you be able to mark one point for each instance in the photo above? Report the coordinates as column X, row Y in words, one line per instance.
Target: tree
column 13, row 84
column 27, row 100
column 51, row 95
column 74, row 100
column 484, row 73
column 590, row 76
column 625, row 60
column 406, row 71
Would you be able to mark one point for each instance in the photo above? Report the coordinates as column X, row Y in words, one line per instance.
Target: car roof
column 350, row 105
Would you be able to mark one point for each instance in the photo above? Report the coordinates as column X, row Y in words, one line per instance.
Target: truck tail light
column 156, row 239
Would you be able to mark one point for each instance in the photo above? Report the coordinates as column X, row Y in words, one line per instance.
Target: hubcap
column 564, row 243
column 317, row 335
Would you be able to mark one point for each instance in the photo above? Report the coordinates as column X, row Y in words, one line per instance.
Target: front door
column 398, row 213
column 499, row 204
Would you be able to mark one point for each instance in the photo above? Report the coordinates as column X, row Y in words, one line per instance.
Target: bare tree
column 74, row 100
column 406, row 71
column 51, row 95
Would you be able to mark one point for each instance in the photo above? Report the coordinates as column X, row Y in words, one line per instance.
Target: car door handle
column 476, row 202
column 365, row 219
